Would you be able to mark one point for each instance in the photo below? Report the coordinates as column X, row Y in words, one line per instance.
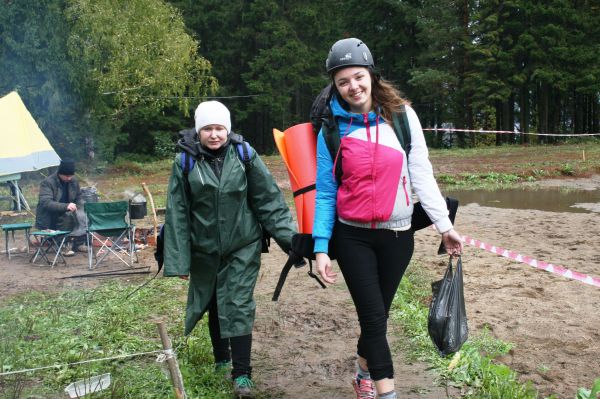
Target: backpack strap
column 402, row 129
column 244, row 151
column 331, row 134
column 187, row 162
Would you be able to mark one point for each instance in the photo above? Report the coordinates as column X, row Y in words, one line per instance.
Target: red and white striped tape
column 539, row 264
column 434, row 129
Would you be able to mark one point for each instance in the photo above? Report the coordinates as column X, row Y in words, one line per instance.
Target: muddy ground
column 304, row 344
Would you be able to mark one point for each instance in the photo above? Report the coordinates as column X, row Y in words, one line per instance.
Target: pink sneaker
column 364, row 388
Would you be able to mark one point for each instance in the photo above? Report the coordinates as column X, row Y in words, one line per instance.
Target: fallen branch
column 106, row 274
column 154, row 217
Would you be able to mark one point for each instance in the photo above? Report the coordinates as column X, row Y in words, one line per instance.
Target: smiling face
column 354, row 85
column 213, row 136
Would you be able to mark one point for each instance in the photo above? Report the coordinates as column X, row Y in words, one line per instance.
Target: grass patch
column 39, row 329
column 507, row 166
column 484, row 181
column 473, row 370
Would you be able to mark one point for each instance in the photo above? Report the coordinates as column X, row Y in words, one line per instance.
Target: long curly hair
column 386, row 96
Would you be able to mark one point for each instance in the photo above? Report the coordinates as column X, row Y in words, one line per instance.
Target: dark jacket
column 213, row 233
column 50, row 212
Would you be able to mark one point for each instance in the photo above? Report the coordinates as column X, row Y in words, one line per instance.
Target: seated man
column 57, row 204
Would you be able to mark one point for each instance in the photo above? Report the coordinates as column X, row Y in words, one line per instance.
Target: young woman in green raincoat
column 213, row 235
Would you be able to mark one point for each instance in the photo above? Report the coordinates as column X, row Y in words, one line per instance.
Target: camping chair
column 109, row 228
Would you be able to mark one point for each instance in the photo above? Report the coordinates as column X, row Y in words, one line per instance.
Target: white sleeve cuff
column 443, row 225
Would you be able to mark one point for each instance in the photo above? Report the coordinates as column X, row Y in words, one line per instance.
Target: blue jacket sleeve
column 326, row 197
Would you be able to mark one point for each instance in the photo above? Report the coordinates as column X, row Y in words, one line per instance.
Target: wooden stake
column 154, row 217
column 176, row 378
column 583, row 152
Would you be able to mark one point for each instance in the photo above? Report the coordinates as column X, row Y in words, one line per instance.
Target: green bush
column 164, row 146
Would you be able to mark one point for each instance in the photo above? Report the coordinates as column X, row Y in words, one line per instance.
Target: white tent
column 23, row 146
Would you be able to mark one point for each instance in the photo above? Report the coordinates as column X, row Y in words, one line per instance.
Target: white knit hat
column 212, row 113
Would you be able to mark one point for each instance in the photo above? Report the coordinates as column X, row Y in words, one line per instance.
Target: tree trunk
column 595, row 115
column 555, row 112
column 498, row 122
column 543, row 110
column 524, row 114
column 510, row 118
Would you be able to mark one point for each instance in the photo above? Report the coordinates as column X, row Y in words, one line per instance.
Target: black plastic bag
column 447, row 321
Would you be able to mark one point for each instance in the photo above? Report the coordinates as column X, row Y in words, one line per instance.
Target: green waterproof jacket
column 213, row 234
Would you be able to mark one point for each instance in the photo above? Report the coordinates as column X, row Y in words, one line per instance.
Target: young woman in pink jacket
column 370, row 203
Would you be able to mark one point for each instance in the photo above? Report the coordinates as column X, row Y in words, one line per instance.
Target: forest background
column 106, row 78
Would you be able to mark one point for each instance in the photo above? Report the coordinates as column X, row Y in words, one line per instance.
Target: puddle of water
column 546, row 199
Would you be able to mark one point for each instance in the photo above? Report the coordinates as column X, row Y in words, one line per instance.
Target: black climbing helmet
column 348, row 52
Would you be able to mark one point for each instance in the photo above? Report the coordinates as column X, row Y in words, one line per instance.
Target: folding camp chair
column 49, row 244
column 109, row 229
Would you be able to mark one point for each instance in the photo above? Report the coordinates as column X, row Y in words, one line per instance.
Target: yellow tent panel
column 23, row 146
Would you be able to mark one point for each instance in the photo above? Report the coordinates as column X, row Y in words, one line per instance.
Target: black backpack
column 321, row 118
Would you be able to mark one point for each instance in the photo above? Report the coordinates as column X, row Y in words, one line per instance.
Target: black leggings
column 240, row 346
column 373, row 262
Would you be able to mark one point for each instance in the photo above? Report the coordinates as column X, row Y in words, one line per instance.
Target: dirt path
column 305, row 343
column 553, row 322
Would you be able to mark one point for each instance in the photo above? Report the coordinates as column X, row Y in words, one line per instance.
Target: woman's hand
column 452, row 242
column 324, row 268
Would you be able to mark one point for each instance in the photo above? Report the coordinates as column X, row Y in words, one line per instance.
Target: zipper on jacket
column 198, row 169
column 372, row 157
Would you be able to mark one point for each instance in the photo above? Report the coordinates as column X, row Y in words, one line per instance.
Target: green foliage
column 80, row 325
column 583, row 393
column 273, row 52
column 164, row 145
column 489, row 180
column 116, row 71
column 83, row 67
column 135, row 53
column 73, row 326
column 567, row 170
column 33, row 38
